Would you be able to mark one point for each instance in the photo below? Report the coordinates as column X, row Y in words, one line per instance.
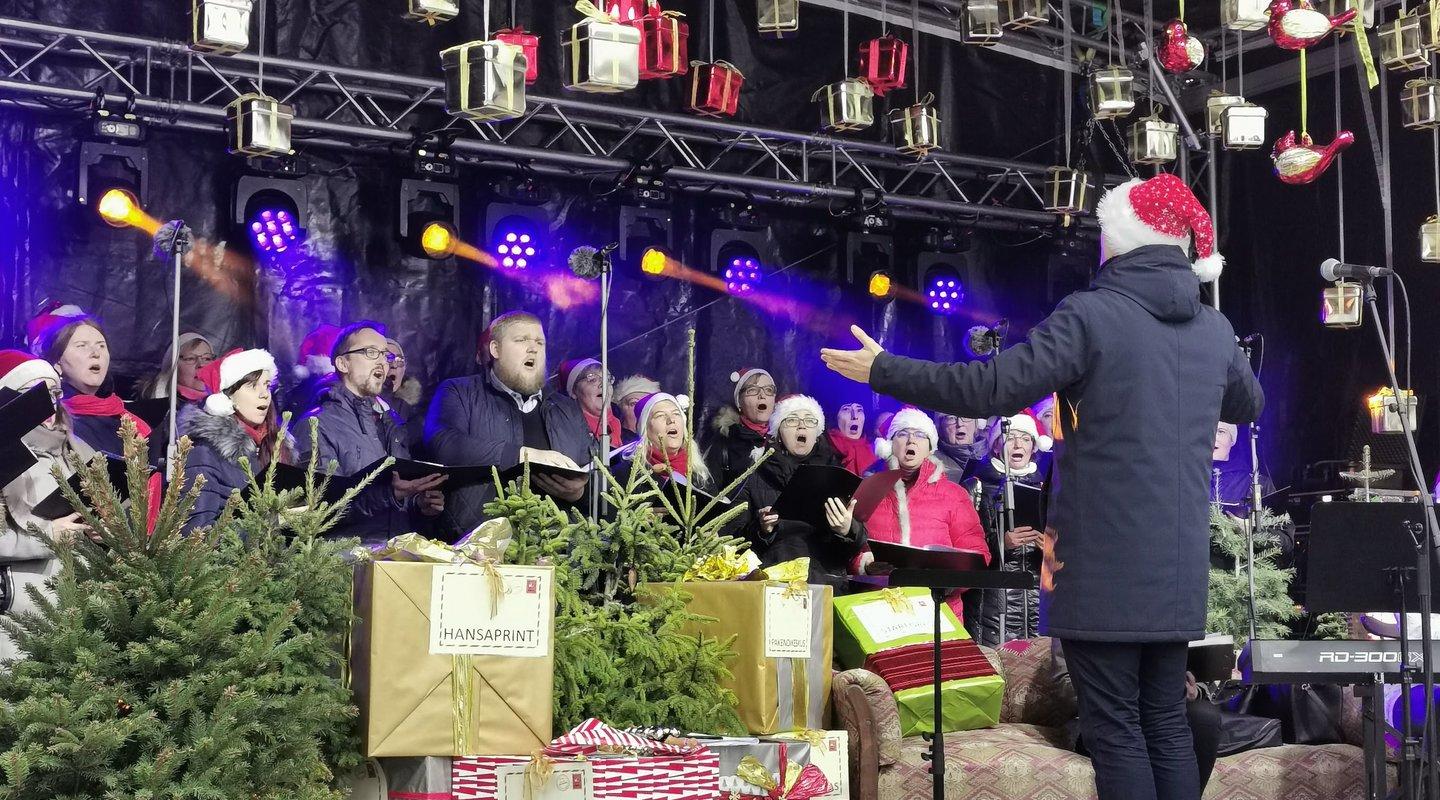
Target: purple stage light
column 517, row 243
column 743, row 273
column 274, row 231
column 944, row 291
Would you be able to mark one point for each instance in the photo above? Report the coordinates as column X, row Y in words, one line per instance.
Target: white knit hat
column 793, row 405
column 906, row 419
column 646, row 406
column 228, row 370
column 635, row 384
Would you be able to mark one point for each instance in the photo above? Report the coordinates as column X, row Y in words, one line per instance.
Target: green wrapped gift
column 965, row 705
column 873, row 622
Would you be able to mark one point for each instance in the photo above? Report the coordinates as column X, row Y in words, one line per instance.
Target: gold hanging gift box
column 1112, row 92
column 604, row 56
column 1245, row 15
column 778, row 18
column 917, row 127
column 1420, row 104
column 431, row 12
column 484, row 80
column 1342, row 305
column 1068, row 191
column 1385, row 410
column 257, row 125
column 220, row 26
column 1154, row 141
column 847, row 105
column 1215, row 106
column 1401, row 44
column 1430, row 241
column 1242, row 126
column 1021, row 14
column 1332, row 7
column 980, row 23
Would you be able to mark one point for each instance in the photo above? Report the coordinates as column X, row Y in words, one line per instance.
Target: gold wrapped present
column 830, row 751
column 220, row 26
column 257, row 125
column 1021, row 14
column 1385, row 411
column 1154, row 141
column 431, row 12
column 453, row 659
column 1068, row 191
column 847, row 105
column 777, row 18
column 1245, row 15
column 1242, row 126
column 1420, row 104
column 604, row 54
column 1401, row 43
column 484, row 80
column 1215, row 105
column 1342, row 305
column 1112, row 92
column 916, row 127
column 1430, row 240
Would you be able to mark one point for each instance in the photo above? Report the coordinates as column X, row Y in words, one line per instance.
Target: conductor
column 1144, row 371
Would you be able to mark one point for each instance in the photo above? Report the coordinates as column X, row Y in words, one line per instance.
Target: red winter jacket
column 936, row 511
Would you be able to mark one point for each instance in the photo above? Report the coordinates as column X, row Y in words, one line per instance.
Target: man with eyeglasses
column 355, row 431
column 741, row 428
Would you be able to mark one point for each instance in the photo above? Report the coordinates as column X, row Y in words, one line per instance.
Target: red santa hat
column 1025, row 422
column 742, row 376
column 792, row 405
column 51, row 315
column 228, row 370
column 571, row 370
column 908, row 418
column 1161, row 210
column 18, row 368
column 314, row 356
column 646, row 406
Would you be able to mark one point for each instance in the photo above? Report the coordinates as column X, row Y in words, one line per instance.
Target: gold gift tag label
column 570, row 781
column 788, row 620
column 465, row 622
column 885, row 624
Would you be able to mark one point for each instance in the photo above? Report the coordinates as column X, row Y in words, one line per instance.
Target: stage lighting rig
column 112, row 125
column 107, row 171
column 740, row 250
column 429, row 206
column 882, row 285
column 270, row 204
column 517, row 225
column 942, row 281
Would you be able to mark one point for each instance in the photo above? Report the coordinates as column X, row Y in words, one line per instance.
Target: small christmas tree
column 1229, row 604
column 174, row 666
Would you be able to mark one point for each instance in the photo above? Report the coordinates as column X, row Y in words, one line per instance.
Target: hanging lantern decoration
column 778, row 18
column 625, row 12
column 715, row 88
column 1021, row 14
column 1420, row 104
column 604, row 54
column 882, row 63
column 664, row 43
column 1112, row 92
column 1154, row 141
column 981, row 23
column 1400, row 44
column 1297, row 25
column 432, row 12
column 1179, row 51
column 917, row 127
column 1429, row 14
column 1385, row 410
column 1215, row 106
column 1430, row 240
column 1068, row 191
column 1367, row 10
column 484, row 80
column 529, row 44
column 258, row 125
column 847, row 105
column 1242, row 126
column 220, row 26
column 1342, row 305
column 1245, row 15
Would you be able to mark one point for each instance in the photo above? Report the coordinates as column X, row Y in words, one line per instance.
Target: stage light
column 518, row 243
column 116, row 207
column 428, row 217
column 882, row 287
column 271, row 207
column 942, row 289
column 642, row 229
column 740, row 251
column 741, row 267
column 105, row 168
column 654, row 261
column 438, row 240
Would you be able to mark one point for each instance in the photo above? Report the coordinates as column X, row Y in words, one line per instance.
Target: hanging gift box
column 1154, row 141
column 1342, row 305
column 1112, row 92
column 1331, row 8
column 917, row 127
column 715, row 88
column 1420, row 104
column 1242, row 127
column 1068, row 191
column 220, row 26
column 980, row 23
column 257, row 125
column 604, row 56
column 778, row 18
column 1020, row 14
column 1245, row 15
column 529, row 44
column 1400, row 44
column 1430, row 241
column 882, row 63
column 484, row 81
column 847, row 105
column 1215, row 105
column 664, row 43
column 1385, row 411
column 432, row 11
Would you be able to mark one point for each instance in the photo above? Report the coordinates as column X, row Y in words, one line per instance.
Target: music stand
column 926, row 568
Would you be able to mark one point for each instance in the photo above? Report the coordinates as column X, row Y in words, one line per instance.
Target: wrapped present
column 664, row 43
column 777, row 18
column 257, row 125
column 882, row 63
column 432, row 11
column 1215, row 106
column 1420, row 104
column 846, row 105
column 625, row 11
column 828, row 750
column 1154, row 141
column 793, row 782
column 769, row 751
column 604, row 53
column 452, row 659
column 876, row 621
column 1430, row 240
column 529, row 44
column 1068, row 190
column 1112, row 92
column 1022, row 14
column 914, row 665
column 1402, row 43
column 783, row 642
column 715, row 88
column 520, row 778
column 220, row 26
column 1242, row 127
column 965, row 705
column 1245, row 15
column 414, row 778
column 916, row 127
column 484, row 80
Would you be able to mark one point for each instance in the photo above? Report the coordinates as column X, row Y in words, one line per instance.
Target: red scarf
column 593, row 420
column 257, row 433
column 676, row 463
column 88, row 405
column 193, row 395
column 855, row 454
column 758, row 427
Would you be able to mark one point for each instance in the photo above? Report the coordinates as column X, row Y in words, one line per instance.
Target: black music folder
column 1212, row 658
column 803, row 498
column 516, row 472
column 902, row 556
column 20, row 414
column 153, row 410
column 1029, row 506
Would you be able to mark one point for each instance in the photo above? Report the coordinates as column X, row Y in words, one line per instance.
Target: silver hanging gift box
column 1242, row 126
column 604, row 57
column 1112, row 92
column 1401, row 44
column 1215, row 105
column 1245, row 15
column 1430, row 241
column 1342, row 305
column 1021, row 14
column 1385, row 410
column 257, row 125
column 484, row 80
column 847, row 105
column 1420, row 104
column 777, row 18
column 433, row 11
column 1154, row 141
column 1068, row 191
column 1332, row 7
column 220, row 26
column 980, row 23
column 917, row 127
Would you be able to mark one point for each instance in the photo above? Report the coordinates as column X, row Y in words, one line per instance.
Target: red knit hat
column 228, row 370
column 740, row 376
column 1161, row 210
column 571, row 370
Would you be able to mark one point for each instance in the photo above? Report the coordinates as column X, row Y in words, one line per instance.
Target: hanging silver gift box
column 1420, row 104
column 220, row 26
column 980, row 23
column 1021, row 14
column 484, row 81
column 1245, row 15
column 1112, row 92
column 917, row 127
column 1385, row 411
column 1154, row 141
column 1400, row 44
column 432, row 11
column 257, row 125
column 1215, row 105
column 847, row 105
column 1068, row 191
column 604, row 57
column 778, row 18
column 1430, row 241
column 1242, row 126
column 1342, row 305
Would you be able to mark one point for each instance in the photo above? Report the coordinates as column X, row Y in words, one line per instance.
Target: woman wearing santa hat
column 582, row 379
column 25, row 559
column 661, row 446
column 741, row 428
column 796, row 433
column 926, row 509
column 237, row 420
column 312, row 371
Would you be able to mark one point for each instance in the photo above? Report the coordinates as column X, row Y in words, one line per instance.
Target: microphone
column 1251, row 340
column 981, row 340
column 1332, row 270
column 173, row 235
column 587, row 262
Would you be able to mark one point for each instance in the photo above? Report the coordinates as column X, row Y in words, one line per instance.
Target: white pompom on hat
column 793, row 405
column 906, row 419
column 1161, row 210
column 1025, row 422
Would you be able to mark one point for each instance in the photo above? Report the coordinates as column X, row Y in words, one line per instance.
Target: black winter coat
column 1015, row 559
column 728, row 449
column 1145, row 371
column 218, row 444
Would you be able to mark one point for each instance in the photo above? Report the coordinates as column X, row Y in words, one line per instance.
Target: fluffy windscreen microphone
column 171, row 235
column 979, row 341
column 585, row 262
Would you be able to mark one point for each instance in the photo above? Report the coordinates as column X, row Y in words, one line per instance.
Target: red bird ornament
column 1296, row 25
column 1301, row 162
column 1179, row 51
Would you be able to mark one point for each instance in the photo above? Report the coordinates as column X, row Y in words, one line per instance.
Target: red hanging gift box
column 625, row 12
column 664, row 43
column 529, row 44
column 882, row 63
column 715, row 88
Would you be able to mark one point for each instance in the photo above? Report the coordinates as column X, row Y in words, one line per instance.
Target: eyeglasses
column 395, row 358
column 759, row 391
column 911, row 433
column 800, row 424
column 197, row 359
column 371, row 353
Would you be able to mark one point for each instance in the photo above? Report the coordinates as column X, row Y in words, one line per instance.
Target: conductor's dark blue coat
column 1144, row 371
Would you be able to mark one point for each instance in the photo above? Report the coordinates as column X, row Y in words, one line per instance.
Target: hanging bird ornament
column 1296, row 25
column 1300, row 161
column 1179, row 51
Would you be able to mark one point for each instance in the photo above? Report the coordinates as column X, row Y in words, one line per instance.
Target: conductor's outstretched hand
column 854, row 364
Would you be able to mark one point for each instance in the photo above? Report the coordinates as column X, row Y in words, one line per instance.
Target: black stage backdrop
column 354, row 268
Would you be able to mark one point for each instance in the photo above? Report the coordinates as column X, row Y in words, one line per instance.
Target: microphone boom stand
column 601, row 448
column 1255, row 510
column 179, row 246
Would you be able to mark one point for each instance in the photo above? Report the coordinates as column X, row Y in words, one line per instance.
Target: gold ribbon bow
column 926, row 100
column 495, row 583
column 898, row 600
column 796, row 589
column 1362, row 43
column 754, row 773
column 591, row 11
column 815, row 738
column 537, row 772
